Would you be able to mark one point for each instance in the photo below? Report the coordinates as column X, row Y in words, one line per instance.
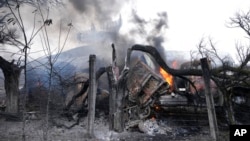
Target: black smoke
column 155, row 36
column 100, row 10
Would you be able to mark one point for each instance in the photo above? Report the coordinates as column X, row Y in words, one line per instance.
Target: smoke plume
column 98, row 10
column 152, row 31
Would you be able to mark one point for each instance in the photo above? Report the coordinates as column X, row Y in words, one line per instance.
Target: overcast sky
column 190, row 20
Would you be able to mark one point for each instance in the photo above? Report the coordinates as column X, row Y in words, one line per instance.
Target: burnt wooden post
column 127, row 61
column 118, row 115
column 112, row 94
column 91, row 96
column 209, row 100
column 115, row 96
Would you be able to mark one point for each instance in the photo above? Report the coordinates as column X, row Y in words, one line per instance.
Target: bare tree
column 23, row 42
column 51, row 60
column 13, row 32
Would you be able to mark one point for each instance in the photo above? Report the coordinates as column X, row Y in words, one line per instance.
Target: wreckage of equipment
column 143, row 85
column 146, row 88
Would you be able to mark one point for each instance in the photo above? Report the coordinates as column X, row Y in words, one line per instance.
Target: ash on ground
column 154, row 129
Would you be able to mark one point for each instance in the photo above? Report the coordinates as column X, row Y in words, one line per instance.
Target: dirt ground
column 34, row 131
column 181, row 127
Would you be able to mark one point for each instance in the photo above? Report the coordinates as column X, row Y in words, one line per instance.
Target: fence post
column 209, row 99
column 112, row 94
column 91, row 96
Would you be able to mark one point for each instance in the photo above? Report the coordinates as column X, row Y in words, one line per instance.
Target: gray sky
column 190, row 20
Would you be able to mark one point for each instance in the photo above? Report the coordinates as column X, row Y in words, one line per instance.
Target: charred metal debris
column 136, row 93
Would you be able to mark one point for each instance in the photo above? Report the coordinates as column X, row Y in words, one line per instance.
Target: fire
column 168, row 77
column 157, row 107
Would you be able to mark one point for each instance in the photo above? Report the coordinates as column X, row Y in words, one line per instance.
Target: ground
column 34, row 130
column 180, row 124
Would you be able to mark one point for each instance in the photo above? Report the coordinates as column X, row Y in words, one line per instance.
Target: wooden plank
column 209, row 100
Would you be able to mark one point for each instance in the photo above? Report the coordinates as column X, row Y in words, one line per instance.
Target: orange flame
column 168, row 77
column 157, row 107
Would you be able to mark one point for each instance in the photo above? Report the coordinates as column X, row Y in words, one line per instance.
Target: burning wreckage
column 139, row 91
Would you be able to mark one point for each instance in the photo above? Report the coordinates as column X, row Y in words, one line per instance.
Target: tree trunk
column 11, row 73
column 12, row 92
column 229, row 108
